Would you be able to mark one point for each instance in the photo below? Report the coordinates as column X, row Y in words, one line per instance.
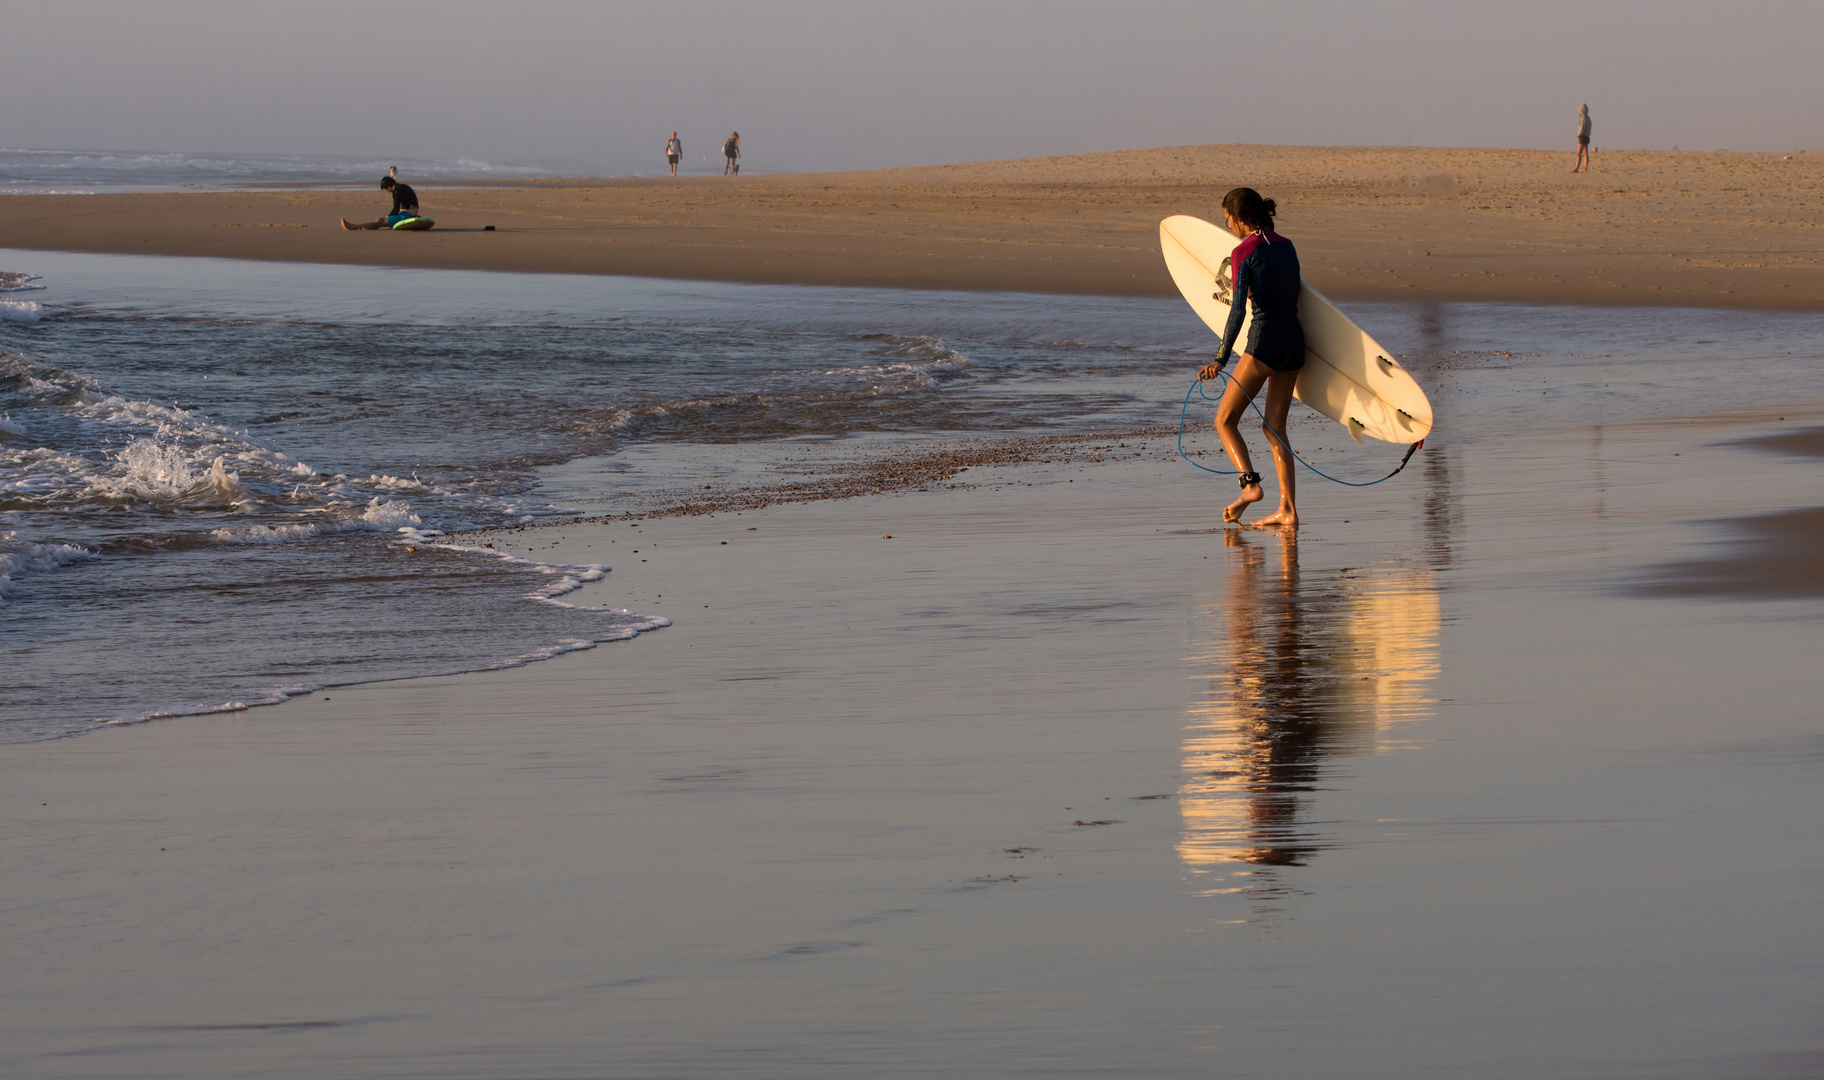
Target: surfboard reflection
column 1301, row 673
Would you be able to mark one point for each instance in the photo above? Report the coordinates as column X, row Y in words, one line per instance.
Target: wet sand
column 1040, row 773
column 1644, row 227
column 1059, row 778
column 1769, row 555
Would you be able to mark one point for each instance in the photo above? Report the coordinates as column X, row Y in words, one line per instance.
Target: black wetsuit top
column 404, row 198
column 1266, row 276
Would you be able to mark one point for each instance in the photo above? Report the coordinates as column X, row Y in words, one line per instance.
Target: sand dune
column 1645, row 227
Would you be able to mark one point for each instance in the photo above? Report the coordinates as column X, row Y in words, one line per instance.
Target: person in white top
column 673, row 151
column 1583, row 139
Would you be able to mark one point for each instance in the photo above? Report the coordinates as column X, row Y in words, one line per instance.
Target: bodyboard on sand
column 1347, row 375
column 414, row 224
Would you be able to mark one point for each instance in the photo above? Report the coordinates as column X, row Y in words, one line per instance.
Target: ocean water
column 224, row 483
column 25, row 171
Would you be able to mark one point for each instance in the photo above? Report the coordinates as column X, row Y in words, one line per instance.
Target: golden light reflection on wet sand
column 1301, row 672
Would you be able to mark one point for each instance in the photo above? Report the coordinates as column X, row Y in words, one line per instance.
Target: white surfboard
column 1347, row 375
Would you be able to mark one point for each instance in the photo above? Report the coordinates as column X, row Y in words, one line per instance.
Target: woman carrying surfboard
column 1265, row 266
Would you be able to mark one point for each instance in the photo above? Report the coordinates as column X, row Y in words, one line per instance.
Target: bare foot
column 1249, row 496
column 1285, row 518
column 347, row 226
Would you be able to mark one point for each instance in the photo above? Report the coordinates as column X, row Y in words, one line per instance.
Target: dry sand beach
column 1644, row 227
column 991, row 754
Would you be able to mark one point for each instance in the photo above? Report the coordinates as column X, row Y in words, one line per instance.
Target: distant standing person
column 405, row 205
column 1583, row 139
column 673, row 151
column 731, row 153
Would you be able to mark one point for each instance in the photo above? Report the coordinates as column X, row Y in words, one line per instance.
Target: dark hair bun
column 1245, row 205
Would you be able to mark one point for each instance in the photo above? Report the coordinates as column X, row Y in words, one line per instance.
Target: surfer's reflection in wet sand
column 1300, row 676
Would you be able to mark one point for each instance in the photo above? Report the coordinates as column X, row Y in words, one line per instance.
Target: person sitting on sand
column 1266, row 276
column 1583, row 140
column 405, row 205
column 731, row 153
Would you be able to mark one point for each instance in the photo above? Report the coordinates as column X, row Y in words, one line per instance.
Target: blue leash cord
column 1197, row 388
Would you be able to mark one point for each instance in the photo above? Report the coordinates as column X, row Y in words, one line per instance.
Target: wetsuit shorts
column 1278, row 349
column 403, row 215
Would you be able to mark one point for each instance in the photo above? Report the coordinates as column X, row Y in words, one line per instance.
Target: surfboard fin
column 1355, row 428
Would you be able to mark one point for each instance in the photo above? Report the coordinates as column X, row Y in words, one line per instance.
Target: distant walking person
column 673, row 151
column 1583, row 139
column 731, row 153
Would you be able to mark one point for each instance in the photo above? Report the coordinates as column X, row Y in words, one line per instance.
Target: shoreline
column 1763, row 557
column 918, row 466
column 859, row 773
column 1025, row 718
column 1649, row 228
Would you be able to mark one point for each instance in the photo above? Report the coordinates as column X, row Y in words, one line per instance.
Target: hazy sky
column 858, row 85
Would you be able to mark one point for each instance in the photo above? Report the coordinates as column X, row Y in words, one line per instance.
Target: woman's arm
column 1238, row 308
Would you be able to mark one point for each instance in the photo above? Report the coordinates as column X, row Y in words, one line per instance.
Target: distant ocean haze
column 27, row 171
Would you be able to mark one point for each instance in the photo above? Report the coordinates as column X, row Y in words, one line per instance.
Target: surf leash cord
column 1197, row 388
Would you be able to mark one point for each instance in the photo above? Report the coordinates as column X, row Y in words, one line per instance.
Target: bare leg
column 381, row 224
column 1278, row 405
column 1243, row 385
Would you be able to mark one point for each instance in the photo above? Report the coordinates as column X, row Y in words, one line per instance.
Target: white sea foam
column 160, row 473
column 623, row 632
column 564, row 645
column 19, row 557
column 569, row 579
column 390, row 515
column 926, row 358
column 171, row 457
column 24, row 311
column 40, row 473
column 377, row 516
column 266, row 534
column 156, row 469
column 269, row 696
